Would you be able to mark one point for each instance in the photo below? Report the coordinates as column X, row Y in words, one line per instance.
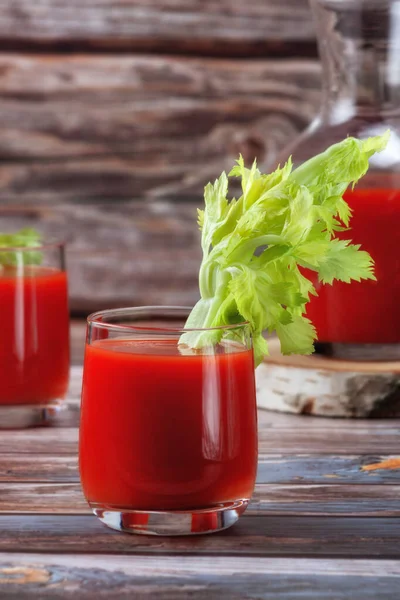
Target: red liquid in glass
column 162, row 431
column 368, row 311
column 34, row 335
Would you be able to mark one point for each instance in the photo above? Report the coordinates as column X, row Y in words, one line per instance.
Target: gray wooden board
column 277, row 469
column 212, row 26
column 322, row 536
column 53, row 468
column 335, row 469
column 268, row 499
column 197, row 578
column 119, row 127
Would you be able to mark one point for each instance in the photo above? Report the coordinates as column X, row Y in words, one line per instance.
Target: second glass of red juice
column 362, row 320
column 34, row 334
column 168, row 435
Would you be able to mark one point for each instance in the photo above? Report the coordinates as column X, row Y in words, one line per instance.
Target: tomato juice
column 367, row 311
column 164, row 431
column 34, row 335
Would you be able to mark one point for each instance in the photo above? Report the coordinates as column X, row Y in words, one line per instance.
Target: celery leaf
column 254, row 247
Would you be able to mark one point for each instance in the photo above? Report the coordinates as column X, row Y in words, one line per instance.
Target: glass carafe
column 359, row 44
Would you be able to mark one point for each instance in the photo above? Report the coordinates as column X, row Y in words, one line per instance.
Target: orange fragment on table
column 391, row 463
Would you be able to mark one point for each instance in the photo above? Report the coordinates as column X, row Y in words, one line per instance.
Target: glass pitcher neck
column 359, row 43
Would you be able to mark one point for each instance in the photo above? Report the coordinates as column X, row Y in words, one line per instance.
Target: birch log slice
column 328, row 387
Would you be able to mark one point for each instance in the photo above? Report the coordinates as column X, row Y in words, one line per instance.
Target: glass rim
column 96, row 319
column 48, row 244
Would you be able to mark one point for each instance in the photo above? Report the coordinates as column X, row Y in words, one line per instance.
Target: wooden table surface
column 324, row 522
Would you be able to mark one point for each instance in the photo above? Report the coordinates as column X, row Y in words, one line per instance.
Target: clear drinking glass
column 359, row 44
column 34, row 338
column 168, row 436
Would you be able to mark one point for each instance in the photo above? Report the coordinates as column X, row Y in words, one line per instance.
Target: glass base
column 22, row 416
column 362, row 352
column 171, row 523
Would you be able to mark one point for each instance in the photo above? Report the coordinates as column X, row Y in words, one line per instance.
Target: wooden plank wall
column 115, row 113
column 108, row 99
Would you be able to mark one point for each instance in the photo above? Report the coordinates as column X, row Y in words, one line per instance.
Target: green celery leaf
column 257, row 299
column 296, row 337
column 260, row 346
column 345, row 262
column 255, row 247
column 16, row 242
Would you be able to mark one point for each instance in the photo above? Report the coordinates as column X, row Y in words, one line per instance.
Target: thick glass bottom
column 171, row 523
column 363, row 352
column 22, row 416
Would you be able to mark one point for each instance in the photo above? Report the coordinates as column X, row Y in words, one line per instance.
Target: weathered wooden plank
column 315, row 468
column 215, row 26
column 328, row 440
column 43, row 440
column 107, row 127
column 203, row 565
column 311, row 500
column 293, row 440
column 37, row 468
column 42, row 498
column 251, row 536
column 329, row 500
column 197, row 578
column 276, row 469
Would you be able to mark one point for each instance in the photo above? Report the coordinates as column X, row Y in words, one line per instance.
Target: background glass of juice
column 34, row 334
column 362, row 320
column 168, row 439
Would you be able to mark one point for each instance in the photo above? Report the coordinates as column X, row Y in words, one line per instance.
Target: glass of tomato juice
column 362, row 321
column 168, row 435
column 34, row 334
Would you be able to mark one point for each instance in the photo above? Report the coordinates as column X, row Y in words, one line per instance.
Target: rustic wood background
column 119, row 99
column 115, row 113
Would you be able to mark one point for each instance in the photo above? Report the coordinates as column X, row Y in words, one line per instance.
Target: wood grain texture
column 251, row 536
column 276, row 469
column 107, row 127
column 295, row 439
column 329, row 440
column 213, row 26
column 44, row 440
column 326, row 499
column 36, row 468
column 315, row 468
column 280, row 500
column 197, row 578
